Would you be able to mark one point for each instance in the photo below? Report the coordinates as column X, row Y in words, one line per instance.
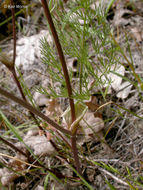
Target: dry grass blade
column 14, row 158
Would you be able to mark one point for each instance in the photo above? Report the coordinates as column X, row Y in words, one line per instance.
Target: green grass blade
column 109, row 6
column 17, row 135
column 11, row 127
column 55, row 177
column 110, row 185
column 84, row 182
column 46, row 182
column 10, row 18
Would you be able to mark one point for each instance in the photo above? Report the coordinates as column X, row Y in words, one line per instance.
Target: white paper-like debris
column 119, row 20
column 40, row 145
column 40, row 99
column 136, row 34
column 126, row 86
column 7, row 176
column 116, row 83
column 90, row 125
column 122, row 88
column 114, row 79
column 28, row 49
column 39, row 187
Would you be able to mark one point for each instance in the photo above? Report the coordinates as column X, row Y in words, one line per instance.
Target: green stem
column 67, row 79
column 61, row 57
column 75, row 153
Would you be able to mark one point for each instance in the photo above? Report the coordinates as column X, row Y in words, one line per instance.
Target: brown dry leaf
column 136, row 34
column 53, row 109
column 91, row 123
column 93, row 105
column 16, row 164
column 7, row 176
column 40, row 145
column 90, row 127
column 120, row 13
column 40, row 99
